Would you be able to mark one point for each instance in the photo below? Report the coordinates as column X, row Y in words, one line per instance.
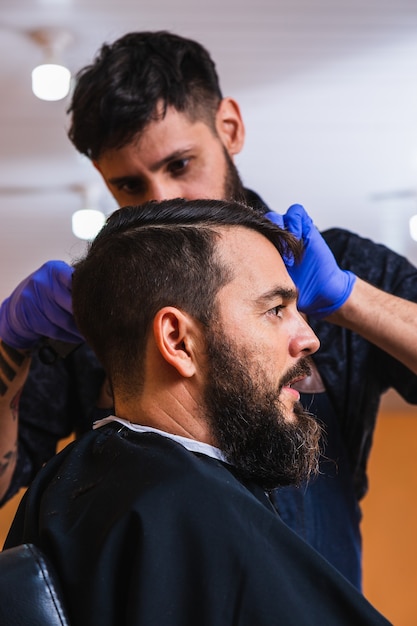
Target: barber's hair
column 151, row 256
column 132, row 82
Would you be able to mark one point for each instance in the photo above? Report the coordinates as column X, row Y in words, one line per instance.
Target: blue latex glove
column 40, row 306
column 323, row 287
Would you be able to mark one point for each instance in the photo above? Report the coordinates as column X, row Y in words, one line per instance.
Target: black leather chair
column 30, row 593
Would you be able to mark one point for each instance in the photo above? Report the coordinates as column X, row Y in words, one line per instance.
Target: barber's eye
column 178, row 166
column 131, row 187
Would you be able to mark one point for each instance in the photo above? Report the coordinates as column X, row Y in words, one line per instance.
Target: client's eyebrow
column 287, row 294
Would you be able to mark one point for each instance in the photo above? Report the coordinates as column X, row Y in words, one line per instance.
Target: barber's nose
column 304, row 341
column 163, row 191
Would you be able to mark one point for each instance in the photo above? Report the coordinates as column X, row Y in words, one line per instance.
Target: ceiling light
column 86, row 223
column 51, row 80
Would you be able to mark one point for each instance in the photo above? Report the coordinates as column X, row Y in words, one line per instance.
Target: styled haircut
column 132, row 82
column 151, row 256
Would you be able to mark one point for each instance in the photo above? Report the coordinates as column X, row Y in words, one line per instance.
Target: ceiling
column 328, row 90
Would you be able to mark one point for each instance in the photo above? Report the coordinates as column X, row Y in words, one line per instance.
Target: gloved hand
column 323, row 286
column 40, row 306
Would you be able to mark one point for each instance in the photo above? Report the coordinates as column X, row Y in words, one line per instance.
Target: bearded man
column 161, row 514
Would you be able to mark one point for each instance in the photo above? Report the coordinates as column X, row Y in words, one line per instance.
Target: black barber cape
column 144, row 532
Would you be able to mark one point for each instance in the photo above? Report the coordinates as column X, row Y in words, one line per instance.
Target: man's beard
column 248, row 420
column 233, row 189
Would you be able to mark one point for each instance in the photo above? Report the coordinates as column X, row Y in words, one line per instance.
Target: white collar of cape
column 191, row 444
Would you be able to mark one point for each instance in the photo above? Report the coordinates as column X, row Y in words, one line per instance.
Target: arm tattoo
column 8, row 458
column 14, row 405
column 8, row 370
column 16, row 356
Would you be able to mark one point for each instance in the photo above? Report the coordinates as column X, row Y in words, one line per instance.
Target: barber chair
column 30, row 593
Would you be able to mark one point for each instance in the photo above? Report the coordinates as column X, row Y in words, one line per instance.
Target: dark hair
column 120, row 92
column 151, row 256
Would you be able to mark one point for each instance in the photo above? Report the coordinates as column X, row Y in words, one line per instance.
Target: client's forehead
column 256, row 264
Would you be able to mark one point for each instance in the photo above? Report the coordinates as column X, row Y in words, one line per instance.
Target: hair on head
column 133, row 81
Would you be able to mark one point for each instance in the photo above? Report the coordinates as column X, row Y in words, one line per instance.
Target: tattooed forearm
column 7, row 460
column 14, row 405
column 6, row 369
column 10, row 361
column 13, row 354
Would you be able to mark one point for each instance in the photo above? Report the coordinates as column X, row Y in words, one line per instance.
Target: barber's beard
column 233, row 189
column 248, row 420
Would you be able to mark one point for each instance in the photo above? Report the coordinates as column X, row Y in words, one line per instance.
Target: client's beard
column 248, row 420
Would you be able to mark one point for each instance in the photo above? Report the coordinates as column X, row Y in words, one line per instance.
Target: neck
column 174, row 411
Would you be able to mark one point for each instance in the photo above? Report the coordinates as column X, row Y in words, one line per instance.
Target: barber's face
column 256, row 349
column 172, row 158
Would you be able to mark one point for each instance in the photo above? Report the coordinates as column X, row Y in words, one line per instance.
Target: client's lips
column 288, row 387
column 296, row 379
column 292, row 391
column 292, row 382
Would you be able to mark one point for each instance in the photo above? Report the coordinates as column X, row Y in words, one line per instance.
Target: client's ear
column 175, row 334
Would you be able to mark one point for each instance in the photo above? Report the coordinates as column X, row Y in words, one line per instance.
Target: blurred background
column 328, row 91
